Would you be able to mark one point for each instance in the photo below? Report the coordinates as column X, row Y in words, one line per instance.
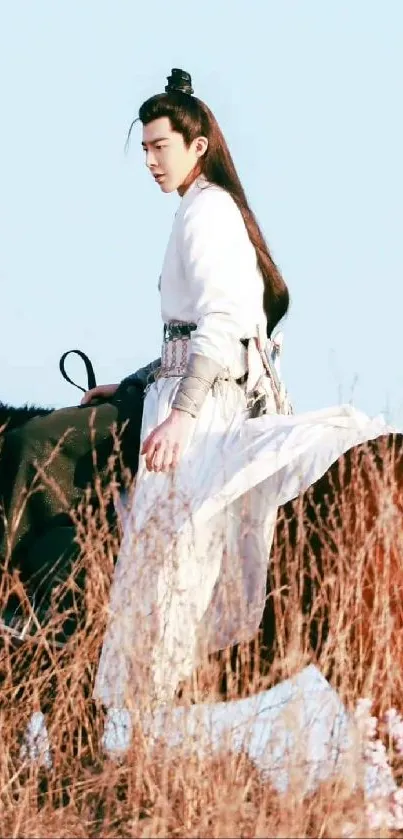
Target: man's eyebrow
column 153, row 142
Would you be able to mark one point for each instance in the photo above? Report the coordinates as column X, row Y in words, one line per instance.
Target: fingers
column 160, row 457
column 147, row 442
column 88, row 396
column 150, row 449
column 163, row 446
column 103, row 391
column 166, row 459
column 151, row 455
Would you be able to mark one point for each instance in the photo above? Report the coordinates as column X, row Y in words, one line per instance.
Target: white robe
column 191, row 573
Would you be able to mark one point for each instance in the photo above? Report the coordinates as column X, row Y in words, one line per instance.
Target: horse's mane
column 11, row 417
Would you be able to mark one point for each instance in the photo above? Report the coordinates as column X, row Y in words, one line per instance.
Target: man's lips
column 158, row 178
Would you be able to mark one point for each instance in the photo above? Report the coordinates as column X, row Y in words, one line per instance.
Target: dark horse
column 335, row 580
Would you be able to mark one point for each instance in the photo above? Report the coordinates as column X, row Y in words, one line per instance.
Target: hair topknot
column 179, row 80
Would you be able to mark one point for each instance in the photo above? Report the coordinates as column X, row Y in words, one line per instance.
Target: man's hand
column 100, row 392
column 164, row 446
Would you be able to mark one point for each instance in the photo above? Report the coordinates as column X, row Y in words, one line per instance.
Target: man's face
column 169, row 160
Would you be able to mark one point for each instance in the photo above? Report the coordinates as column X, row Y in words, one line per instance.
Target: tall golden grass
column 335, row 584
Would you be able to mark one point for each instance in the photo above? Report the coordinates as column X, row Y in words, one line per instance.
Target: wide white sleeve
column 218, row 261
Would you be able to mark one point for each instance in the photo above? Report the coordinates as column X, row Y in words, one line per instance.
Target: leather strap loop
column 88, row 366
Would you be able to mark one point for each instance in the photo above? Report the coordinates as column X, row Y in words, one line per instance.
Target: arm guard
column 201, row 374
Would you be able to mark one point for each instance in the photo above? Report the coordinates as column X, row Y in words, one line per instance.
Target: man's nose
column 150, row 158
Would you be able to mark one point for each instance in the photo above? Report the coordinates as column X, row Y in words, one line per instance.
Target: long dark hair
column 191, row 118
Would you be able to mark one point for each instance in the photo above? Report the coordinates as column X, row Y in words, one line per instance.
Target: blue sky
column 308, row 94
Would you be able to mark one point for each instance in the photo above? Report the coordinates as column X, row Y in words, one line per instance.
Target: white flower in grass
column 394, row 724
column 367, row 725
column 384, row 804
column 35, row 747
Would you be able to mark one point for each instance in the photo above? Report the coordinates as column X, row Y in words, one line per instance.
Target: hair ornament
column 179, row 80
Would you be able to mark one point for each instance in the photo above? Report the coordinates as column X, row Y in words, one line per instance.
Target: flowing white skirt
column 191, row 574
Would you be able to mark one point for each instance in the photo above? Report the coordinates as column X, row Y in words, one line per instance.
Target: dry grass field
column 350, row 629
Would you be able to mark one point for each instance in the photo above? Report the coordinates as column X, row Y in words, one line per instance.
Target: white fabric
column 296, row 733
column 191, row 574
column 298, row 724
column 210, row 276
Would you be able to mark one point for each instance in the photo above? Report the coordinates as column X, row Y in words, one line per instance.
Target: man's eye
column 159, row 146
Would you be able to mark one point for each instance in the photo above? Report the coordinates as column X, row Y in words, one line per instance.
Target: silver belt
column 176, row 348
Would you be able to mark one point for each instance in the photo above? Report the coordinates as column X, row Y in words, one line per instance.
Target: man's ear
column 201, row 146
